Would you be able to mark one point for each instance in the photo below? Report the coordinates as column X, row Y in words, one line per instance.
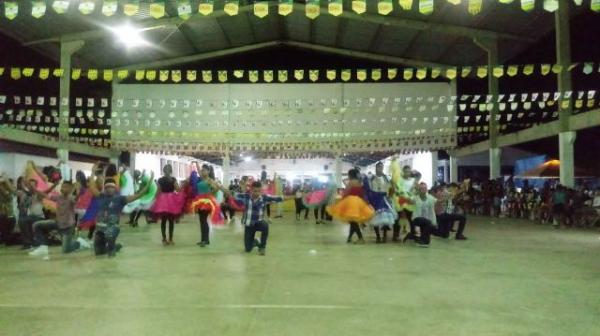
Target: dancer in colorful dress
column 404, row 184
column 353, row 208
column 168, row 204
column 378, row 189
column 318, row 200
column 204, row 202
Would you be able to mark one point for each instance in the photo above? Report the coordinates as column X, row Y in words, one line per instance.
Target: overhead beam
column 442, row 28
column 576, row 122
column 363, row 55
column 36, row 139
column 200, row 57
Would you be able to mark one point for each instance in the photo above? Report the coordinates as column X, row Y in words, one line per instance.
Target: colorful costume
column 126, row 183
column 318, row 198
column 42, row 185
column 204, row 200
column 376, row 191
column 168, row 201
column 145, row 202
column 403, row 189
column 352, row 207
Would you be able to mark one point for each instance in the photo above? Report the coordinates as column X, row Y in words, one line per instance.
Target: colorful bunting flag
column 207, row 76
column 11, row 9
column 474, row 7
column 385, row 7
column 482, row 71
column 346, row 75
column 184, row 9
column 313, row 75
column 92, row 74
column 361, row 74
column 238, row 73
column 282, row 76
column 312, row 9
column 465, row 71
column 60, row 6
column 557, row 68
column 426, row 7
column 528, row 69
column 285, row 7
column 376, row 74
column 86, row 7
column 451, row 73
column 268, row 76
column 545, row 69
column 191, row 75
column 157, row 9
column 358, row 6
column 205, row 7
column 109, row 8
column 163, row 75
column 15, row 73
column 139, row 75
column 421, row 73
column 131, row 7
column 58, row 73
column 44, row 73
column 122, row 74
column 331, row 74
column 406, row 4
column 232, row 7
column 550, row 5
column 261, row 8
column 75, row 74
column 435, row 72
column 527, row 5
column 392, row 73
column 38, row 9
column 253, row 76
column 222, row 75
column 498, row 71
column 299, row 74
column 408, row 73
column 107, row 75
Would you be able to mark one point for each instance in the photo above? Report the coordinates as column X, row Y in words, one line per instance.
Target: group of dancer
column 97, row 203
column 391, row 203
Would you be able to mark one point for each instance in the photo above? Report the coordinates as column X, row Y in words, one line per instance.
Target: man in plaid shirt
column 253, row 216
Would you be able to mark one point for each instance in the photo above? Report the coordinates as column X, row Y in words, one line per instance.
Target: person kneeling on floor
column 423, row 216
column 110, row 206
column 253, row 216
column 64, row 222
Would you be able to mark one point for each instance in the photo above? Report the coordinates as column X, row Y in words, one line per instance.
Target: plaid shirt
column 255, row 208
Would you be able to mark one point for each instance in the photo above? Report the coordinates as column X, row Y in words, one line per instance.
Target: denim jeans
column 26, row 227
column 250, row 233
column 41, row 229
column 105, row 239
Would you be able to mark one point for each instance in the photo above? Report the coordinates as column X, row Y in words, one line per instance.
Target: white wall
column 151, row 162
column 13, row 164
column 509, row 157
column 291, row 169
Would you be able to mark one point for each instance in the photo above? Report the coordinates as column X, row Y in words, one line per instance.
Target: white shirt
column 425, row 208
column 380, row 183
column 406, row 184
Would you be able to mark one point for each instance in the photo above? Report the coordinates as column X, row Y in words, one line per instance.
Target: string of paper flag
column 268, row 76
column 312, row 8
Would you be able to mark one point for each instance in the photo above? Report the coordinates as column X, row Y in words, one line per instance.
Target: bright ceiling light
column 248, row 158
column 129, row 36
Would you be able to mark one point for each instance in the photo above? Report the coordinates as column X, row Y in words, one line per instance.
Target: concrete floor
column 510, row 278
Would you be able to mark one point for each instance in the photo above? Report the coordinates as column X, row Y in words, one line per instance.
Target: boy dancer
column 253, row 216
column 110, row 205
column 64, row 222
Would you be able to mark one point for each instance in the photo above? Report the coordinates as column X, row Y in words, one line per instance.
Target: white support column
column 495, row 162
column 453, row 169
column 566, row 149
column 226, row 169
column 67, row 49
column 434, row 168
column 338, row 170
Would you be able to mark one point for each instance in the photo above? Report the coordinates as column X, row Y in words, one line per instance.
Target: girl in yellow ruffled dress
column 352, row 208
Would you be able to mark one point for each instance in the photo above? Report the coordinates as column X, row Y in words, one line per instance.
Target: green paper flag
column 253, row 76
column 527, row 5
column 466, row 70
column 176, row 76
column 313, row 75
column 60, row 6
column 206, row 7
column 550, row 5
column 376, row 74
column 232, row 7
column 392, row 73
column 595, row 5
column 268, row 76
column 87, row 7
column 408, row 74
column 207, row 76
column 282, row 76
column 238, row 73
column 385, row 7
column 261, row 8
column 139, row 75
column 406, row 4
column 11, row 9
column 474, row 7
column 421, row 73
column 38, row 9
column 92, row 74
column 157, row 9
column 435, row 72
column 588, row 68
column 109, row 8
column 285, row 7
column 313, row 9
column 15, row 73
column 361, row 74
column 299, row 74
column 358, row 6
column 331, row 74
column 498, row 71
column 545, row 69
column 44, row 73
column 163, row 75
column 512, row 70
column 191, row 75
column 528, row 69
column 122, row 74
column 482, row 71
column 426, row 7
column 184, row 9
column 451, row 73
column 222, row 74
column 76, row 74
column 107, row 75
column 346, row 75
column 131, row 7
